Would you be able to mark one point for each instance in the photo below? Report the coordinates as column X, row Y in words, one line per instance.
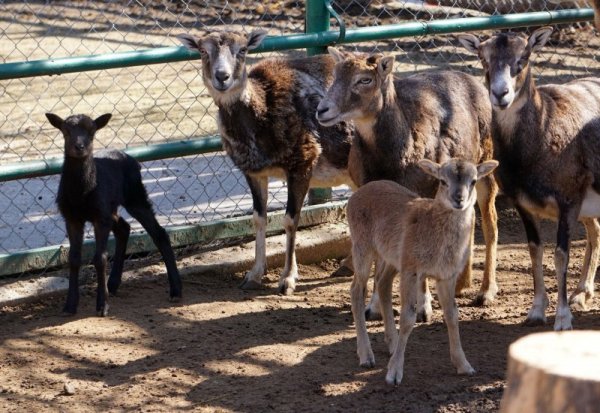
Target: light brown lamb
column 419, row 238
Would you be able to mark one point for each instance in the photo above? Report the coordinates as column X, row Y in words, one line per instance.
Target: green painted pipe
column 31, row 169
column 317, row 20
column 298, row 41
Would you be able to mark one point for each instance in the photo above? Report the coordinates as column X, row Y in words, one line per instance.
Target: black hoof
column 372, row 315
column 423, row 317
column 250, row 285
column 534, row 322
column 343, row 271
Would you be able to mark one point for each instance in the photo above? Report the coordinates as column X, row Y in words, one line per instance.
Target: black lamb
column 91, row 189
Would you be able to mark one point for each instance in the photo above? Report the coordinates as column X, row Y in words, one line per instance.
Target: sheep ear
column 430, row 167
column 469, row 42
column 102, row 120
column 255, row 39
column 55, row 120
column 189, row 41
column 385, row 66
column 486, row 168
column 538, row 38
column 337, row 55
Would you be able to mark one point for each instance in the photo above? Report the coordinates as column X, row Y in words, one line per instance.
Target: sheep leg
column 101, row 232
column 259, row 190
column 121, row 229
column 362, row 267
column 75, row 234
column 584, row 293
column 408, row 316
column 567, row 219
column 424, row 310
column 145, row 216
column 445, row 289
column 297, row 189
column 487, row 189
column 537, row 313
column 466, row 276
column 374, row 310
column 384, row 282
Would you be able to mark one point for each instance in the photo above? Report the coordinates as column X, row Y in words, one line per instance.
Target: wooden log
column 554, row 372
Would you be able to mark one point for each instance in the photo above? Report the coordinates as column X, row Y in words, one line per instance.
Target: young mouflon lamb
column 91, row 189
column 268, row 128
column 419, row 237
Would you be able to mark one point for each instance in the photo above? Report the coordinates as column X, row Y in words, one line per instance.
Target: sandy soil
column 223, row 349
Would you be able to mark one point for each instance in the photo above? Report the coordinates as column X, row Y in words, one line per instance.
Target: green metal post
column 317, row 20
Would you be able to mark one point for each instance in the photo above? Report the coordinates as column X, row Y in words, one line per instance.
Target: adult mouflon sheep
column 268, row 128
column 400, row 120
column 547, row 139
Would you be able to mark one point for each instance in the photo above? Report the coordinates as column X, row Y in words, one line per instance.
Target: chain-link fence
column 167, row 102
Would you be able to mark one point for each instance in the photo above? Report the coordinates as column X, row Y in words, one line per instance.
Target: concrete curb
column 313, row 245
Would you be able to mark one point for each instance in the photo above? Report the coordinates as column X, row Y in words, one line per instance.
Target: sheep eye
column 203, row 52
column 242, row 52
column 473, row 182
column 365, row 81
column 443, row 182
column 521, row 64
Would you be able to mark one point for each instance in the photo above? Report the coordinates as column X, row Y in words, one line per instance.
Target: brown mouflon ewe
column 91, row 189
column 268, row 128
column 547, row 140
column 401, row 120
column 419, row 238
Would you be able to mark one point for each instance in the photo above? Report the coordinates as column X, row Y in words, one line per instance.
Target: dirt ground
column 222, row 349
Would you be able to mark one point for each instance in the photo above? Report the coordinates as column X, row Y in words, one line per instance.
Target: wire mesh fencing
column 167, row 102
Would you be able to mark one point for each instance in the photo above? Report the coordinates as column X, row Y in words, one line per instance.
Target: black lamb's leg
column 75, row 234
column 121, row 229
column 145, row 215
column 101, row 232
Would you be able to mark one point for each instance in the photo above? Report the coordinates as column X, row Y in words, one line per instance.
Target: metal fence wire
column 167, row 102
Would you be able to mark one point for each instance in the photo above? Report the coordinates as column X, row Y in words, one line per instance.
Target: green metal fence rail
column 317, row 37
column 297, row 41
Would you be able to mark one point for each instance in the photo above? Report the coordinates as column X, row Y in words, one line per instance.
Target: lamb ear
column 55, row 120
column 430, row 167
column 538, row 38
column 188, row 41
column 102, row 120
column 255, row 39
column 469, row 42
column 337, row 55
column 486, row 168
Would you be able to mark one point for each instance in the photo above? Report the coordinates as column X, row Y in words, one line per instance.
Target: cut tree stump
column 554, row 372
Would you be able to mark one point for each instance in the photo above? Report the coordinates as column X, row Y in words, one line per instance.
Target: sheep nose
column 222, row 76
column 321, row 110
column 459, row 198
column 80, row 146
column 501, row 93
